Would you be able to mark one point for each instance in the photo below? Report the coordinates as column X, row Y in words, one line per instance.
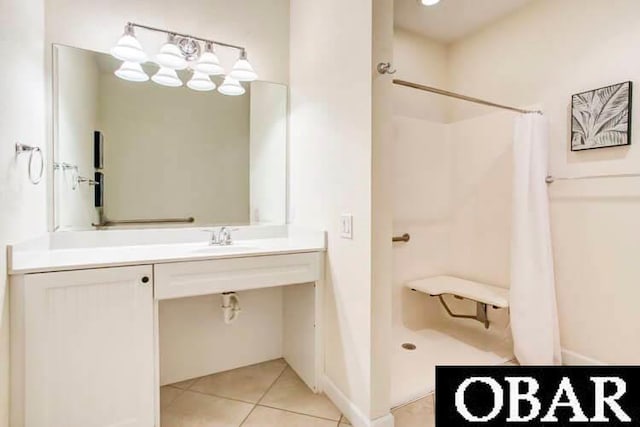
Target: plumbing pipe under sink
column 230, row 307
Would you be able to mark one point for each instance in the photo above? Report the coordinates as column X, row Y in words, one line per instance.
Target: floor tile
column 168, row 394
column 417, row 414
column 200, row 410
column 344, row 421
column 247, row 384
column 290, row 393
column 268, row 417
column 184, row 385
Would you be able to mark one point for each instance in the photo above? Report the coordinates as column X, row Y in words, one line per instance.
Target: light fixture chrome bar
column 462, row 97
column 551, row 179
column 188, row 36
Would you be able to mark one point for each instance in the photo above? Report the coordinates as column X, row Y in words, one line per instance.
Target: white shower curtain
column 534, row 317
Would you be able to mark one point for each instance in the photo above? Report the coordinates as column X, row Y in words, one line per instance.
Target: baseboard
column 350, row 410
column 571, row 358
column 386, row 421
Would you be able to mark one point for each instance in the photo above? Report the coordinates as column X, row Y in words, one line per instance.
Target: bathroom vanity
column 104, row 309
column 85, row 323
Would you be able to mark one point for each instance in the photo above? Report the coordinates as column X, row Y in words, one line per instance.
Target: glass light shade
column 243, row 71
column 129, row 49
column 201, row 81
column 171, row 57
column 209, row 64
column 131, row 71
column 231, row 87
column 167, row 77
column 429, row 2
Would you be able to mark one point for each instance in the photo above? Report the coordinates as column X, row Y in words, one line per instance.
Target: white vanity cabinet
column 86, row 327
column 301, row 301
column 83, row 348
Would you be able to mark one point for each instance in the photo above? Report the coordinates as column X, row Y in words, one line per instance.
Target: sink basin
column 213, row 249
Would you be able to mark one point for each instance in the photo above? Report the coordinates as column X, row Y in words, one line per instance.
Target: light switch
column 346, row 226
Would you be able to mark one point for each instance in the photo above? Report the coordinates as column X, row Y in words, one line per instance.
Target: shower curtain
column 534, row 317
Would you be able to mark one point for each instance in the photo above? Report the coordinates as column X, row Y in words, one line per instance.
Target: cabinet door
column 89, row 345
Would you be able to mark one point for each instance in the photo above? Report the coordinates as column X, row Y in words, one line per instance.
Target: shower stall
column 453, row 202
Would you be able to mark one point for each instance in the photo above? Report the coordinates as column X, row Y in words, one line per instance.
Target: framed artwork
column 601, row 118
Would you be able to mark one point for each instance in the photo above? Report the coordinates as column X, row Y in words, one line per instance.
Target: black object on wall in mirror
column 98, row 150
column 99, row 190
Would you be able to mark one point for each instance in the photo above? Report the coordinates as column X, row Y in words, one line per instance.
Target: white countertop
column 95, row 249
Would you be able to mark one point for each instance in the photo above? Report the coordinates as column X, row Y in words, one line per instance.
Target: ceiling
column 451, row 20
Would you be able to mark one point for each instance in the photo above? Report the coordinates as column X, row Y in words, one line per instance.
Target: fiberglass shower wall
column 452, row 193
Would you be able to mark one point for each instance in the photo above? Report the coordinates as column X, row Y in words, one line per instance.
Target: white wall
column 381, row 214
column 422, row 159
column 420, row 60
column 191, row 344
column 261, row 26
column 331, row 173
column 422, row 186
column 452, row 194
column 22, row 206
column 481, row 182
column 174, row 152
column 77, row 118
column 536, row 57
column 268, row 153
column 542, row 54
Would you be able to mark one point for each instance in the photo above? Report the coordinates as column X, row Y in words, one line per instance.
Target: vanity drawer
column 184, row 279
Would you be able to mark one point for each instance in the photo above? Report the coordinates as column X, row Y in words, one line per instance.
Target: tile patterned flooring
column 268, row 394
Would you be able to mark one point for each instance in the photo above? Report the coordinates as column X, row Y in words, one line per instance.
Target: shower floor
column 452, row 342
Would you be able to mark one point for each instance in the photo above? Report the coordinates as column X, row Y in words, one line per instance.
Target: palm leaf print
column 600, row 118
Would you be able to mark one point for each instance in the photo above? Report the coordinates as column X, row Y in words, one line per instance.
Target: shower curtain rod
column 462, row 97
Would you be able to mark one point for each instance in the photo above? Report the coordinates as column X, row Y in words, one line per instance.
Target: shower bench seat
column 484, row 295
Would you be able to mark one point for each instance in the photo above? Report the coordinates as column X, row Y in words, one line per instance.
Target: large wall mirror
column 140, row 154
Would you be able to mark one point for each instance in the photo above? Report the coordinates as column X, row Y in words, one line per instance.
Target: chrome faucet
column 222, row 237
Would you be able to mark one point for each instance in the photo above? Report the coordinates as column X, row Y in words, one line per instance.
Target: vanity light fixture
column 131, row 71
column 429, row 2
column 182, row 51
column 209, row 63
column 242, row 70
column 128, row 47
column 201, row 82
column 170, row 55
column 167, row 77
column 231, row 87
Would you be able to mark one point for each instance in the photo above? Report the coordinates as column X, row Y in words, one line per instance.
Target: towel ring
column 22, row 148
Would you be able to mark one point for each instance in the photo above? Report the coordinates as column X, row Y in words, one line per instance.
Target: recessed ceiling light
column 429, row 2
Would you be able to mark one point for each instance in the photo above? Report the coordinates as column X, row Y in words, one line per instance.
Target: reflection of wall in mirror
column 174, row 152
column 168, row 152
column 77, row 110
column 268, row 153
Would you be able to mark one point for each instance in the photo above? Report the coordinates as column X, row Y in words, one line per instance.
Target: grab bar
column 550, row 179
column 111, row 223
column 404, row 238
